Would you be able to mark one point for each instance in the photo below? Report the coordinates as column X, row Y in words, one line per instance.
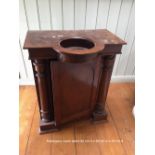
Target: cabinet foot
column 46, row 127
column 99, row 116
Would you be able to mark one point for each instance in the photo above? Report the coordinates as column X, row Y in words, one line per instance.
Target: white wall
column 115, row 15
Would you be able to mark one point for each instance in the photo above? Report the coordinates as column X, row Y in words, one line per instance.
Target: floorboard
column 121, row 111
column 37, row 144
column 27, row 100
column 114, row 137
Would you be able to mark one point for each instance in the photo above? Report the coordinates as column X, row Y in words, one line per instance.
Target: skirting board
column 121, row 79
column 114, row 79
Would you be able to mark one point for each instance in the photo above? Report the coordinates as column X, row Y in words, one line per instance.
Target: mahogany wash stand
column 72, row 72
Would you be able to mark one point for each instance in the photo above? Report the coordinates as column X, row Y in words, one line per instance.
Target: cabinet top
column 89, row 41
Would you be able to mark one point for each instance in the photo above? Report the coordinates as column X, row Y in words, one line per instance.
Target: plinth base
column 46, row 127
column 100, row 116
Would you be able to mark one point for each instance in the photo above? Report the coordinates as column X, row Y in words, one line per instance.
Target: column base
column 46, row 127
column 99, row 116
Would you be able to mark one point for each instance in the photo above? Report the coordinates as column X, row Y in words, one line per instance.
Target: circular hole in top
column 77, row 44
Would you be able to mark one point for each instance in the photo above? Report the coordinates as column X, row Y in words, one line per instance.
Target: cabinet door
column 74, row 90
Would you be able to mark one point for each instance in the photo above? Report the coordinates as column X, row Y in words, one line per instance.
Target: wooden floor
column 114, row 137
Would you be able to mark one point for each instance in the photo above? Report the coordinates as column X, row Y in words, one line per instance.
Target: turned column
column 107, row 66
column 42, row 85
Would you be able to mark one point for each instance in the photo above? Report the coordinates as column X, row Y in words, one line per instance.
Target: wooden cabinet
column 72, row 72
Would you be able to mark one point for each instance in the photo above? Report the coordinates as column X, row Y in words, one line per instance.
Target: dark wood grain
column 107, row 63
column 72, row 71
